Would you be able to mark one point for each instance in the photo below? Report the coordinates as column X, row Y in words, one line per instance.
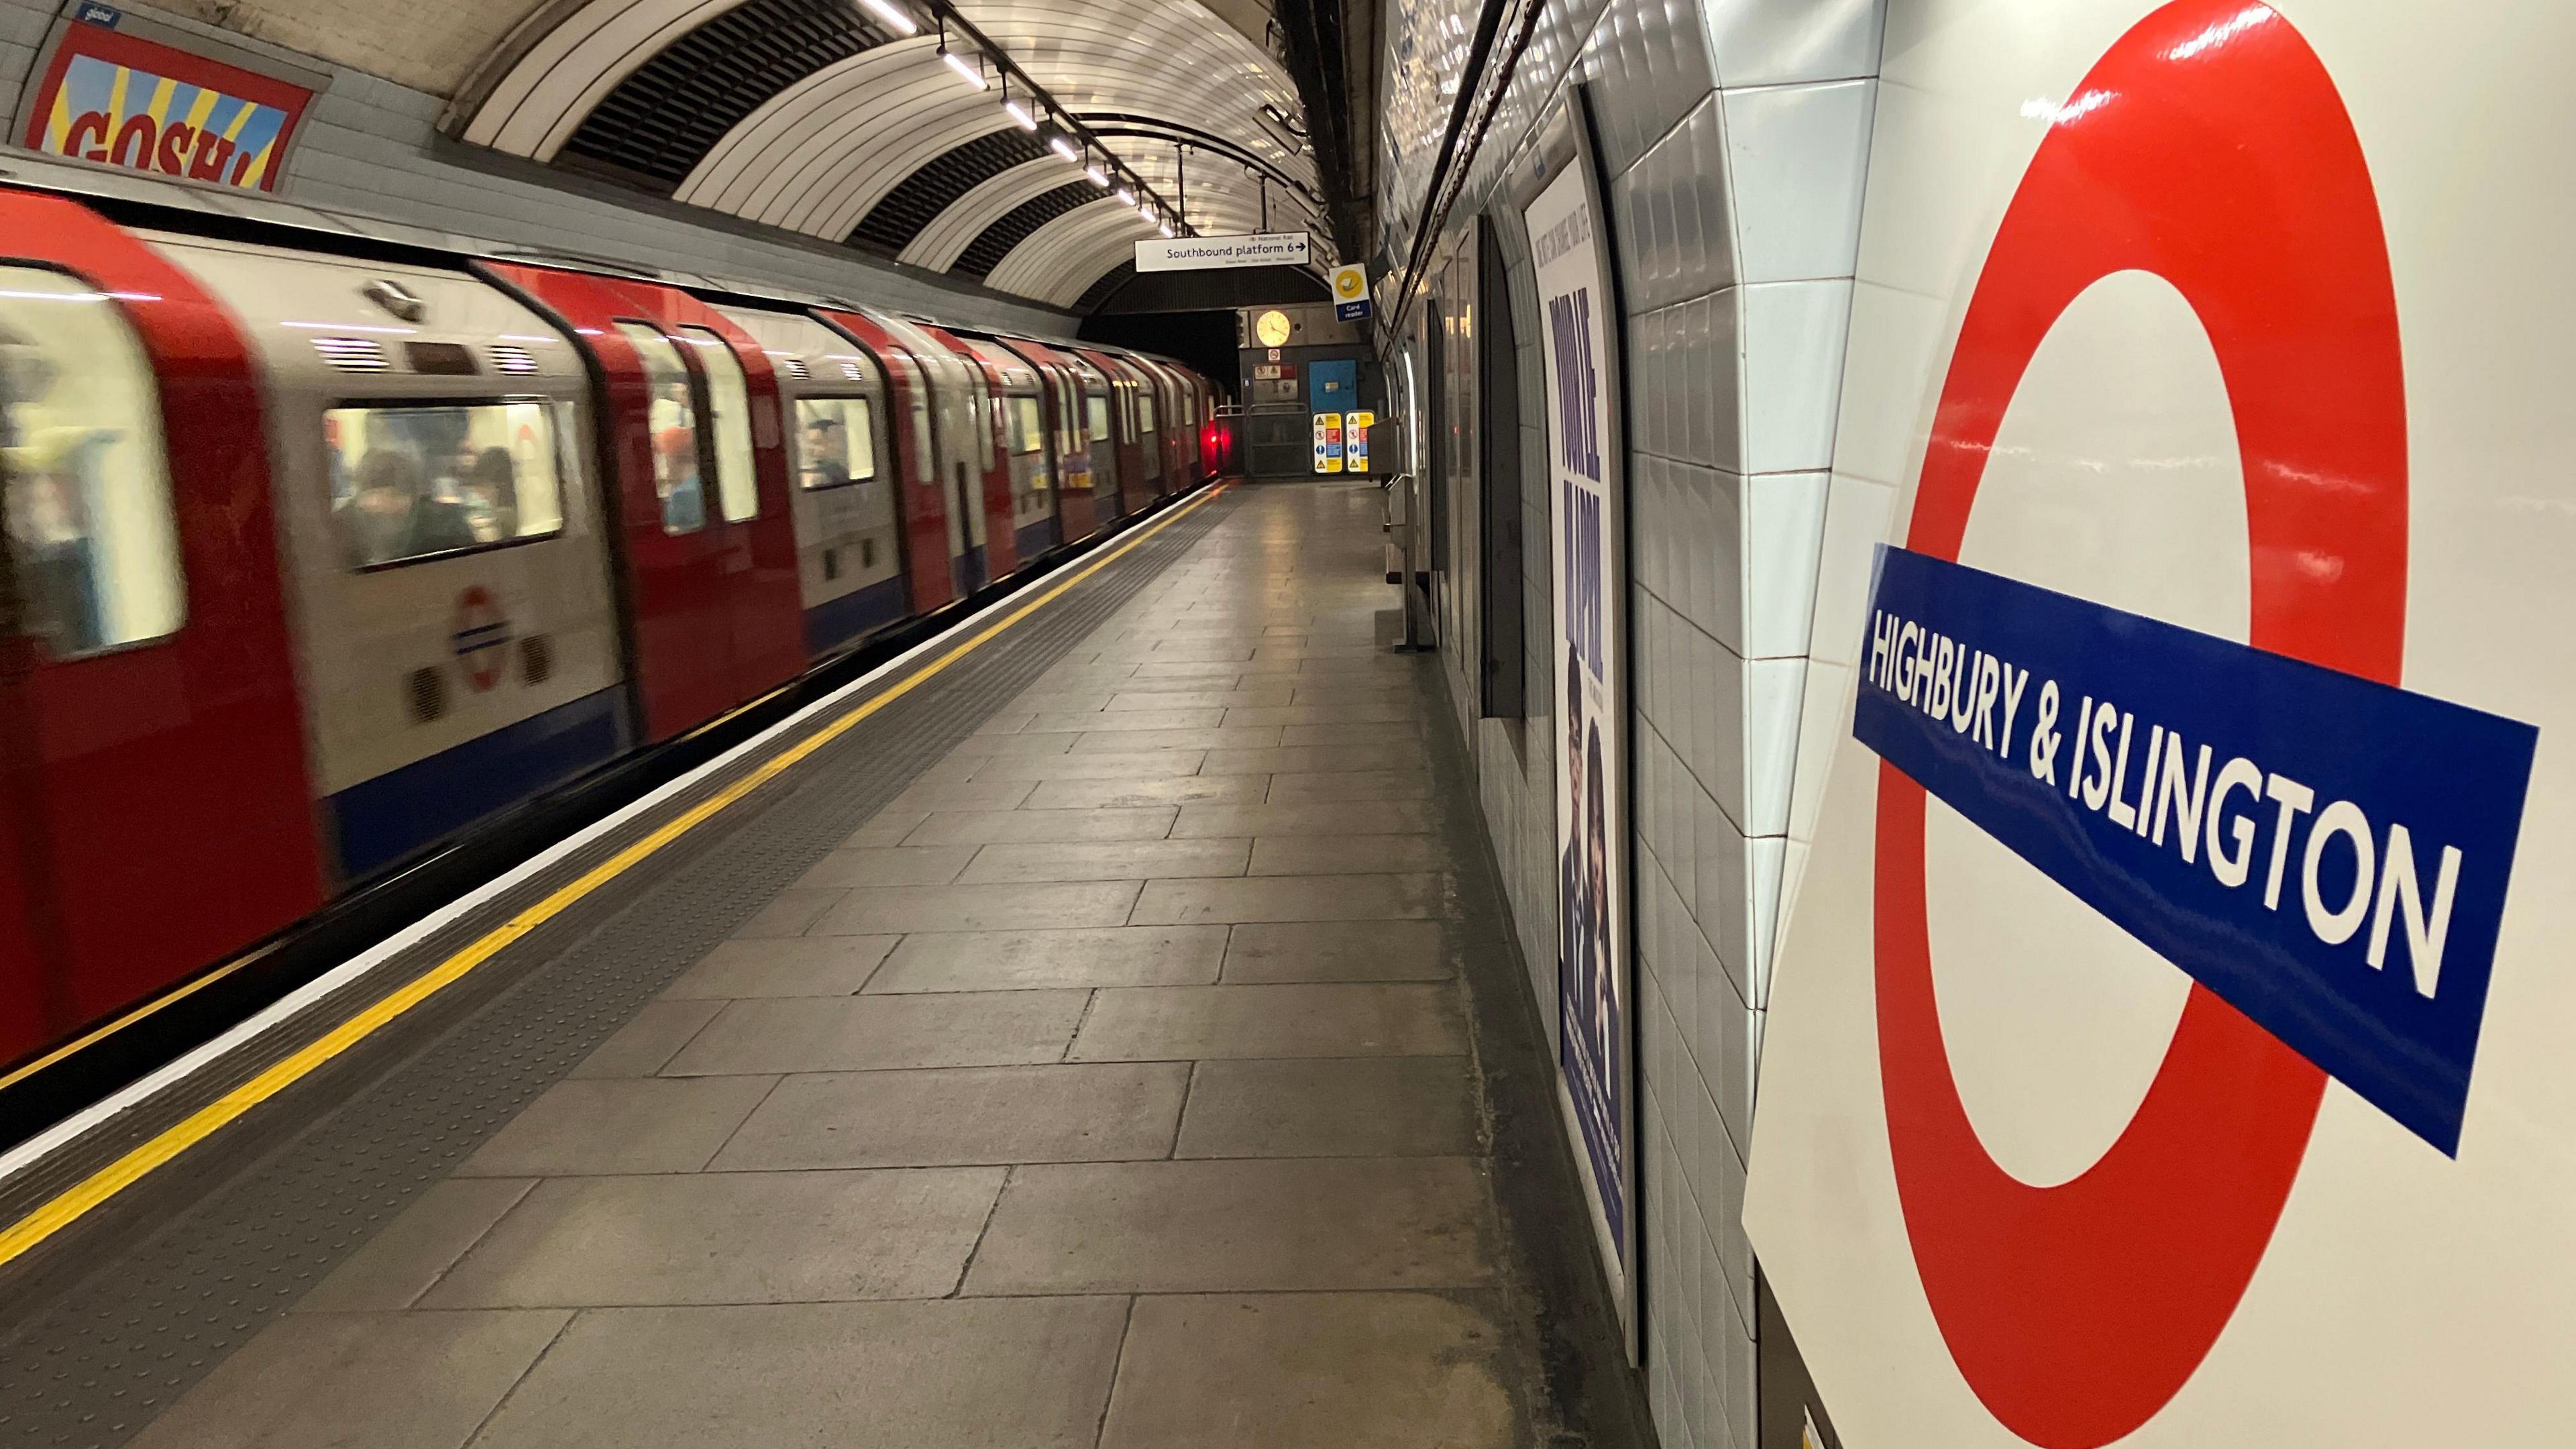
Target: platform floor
column 1116, row 1085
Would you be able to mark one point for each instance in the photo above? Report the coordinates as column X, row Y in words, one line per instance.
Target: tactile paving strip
column 278, row 1199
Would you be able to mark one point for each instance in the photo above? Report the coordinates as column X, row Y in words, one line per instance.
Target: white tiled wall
column 371, row 147
column 1735, row 136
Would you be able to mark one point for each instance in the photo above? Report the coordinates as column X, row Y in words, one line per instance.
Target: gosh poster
column 119, row 100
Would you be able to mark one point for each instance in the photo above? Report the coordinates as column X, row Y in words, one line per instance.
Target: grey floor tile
column 727, row 1237
column 1272, row 695
column 787, row 914
column 1090, row 765
column 1128, row 860
column 634, row 1124
column 1331, row 1107
column 1172, row 650
column 896, row 865
column 340, row 1380
column 865, row 1033
column 899, row 910
column 961, row 795
column 1384, row 755
column 989, row 827
column 963, row 1116
column 1028, row 1373
column 1393, row 709
column 1145, row 790
column 1134, row 686
column 795, row 966
column 1353, row 817
column 966, row 961
column 1354, row 855
column 1133, row 720
column 984, row 746
column 1162, row 667
column 1291, row 951
column 1340, row 785
column 1239, row 1226
column 400, row 1262
column 644, row 1044
column 1228, row 737
column 1312, row 1371
column 885, row 828
column 1326, row 693
column 1415, row 896
column 1005, row 722
column 1183, row 1023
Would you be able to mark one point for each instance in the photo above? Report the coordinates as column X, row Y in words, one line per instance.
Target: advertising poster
column 2168, row 1045
column 1587, row 555
column 121, row 100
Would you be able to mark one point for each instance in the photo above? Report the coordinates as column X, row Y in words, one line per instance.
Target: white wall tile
column 1774, row 42
column 1798, row 155
column 1894, row 339
column 1824, row 717
column 1783, row 520
column 1793, row 371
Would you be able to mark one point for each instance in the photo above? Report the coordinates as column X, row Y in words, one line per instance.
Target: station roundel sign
column 2210, row 147
column 481, row 638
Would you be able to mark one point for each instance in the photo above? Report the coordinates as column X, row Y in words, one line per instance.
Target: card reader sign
column 2327, row 854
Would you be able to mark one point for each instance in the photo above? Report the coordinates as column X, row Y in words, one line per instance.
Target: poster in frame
column 1581, row 341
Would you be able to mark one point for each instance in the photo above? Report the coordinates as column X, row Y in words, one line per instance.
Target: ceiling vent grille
column 660, row 122
column 852, row 371
column 893, row 222
column 793, row 366
column 516, row 361
column 352, row 354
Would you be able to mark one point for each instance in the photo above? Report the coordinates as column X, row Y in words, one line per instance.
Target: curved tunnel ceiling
column 816, row 116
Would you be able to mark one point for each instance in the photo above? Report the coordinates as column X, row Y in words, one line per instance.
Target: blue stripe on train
column 382, row 820
column 836, row 622
column 1037, row 538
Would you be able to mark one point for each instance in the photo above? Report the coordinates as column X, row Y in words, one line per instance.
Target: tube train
column 316, row 561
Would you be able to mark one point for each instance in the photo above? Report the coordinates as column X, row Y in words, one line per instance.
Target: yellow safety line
column 95, row 1190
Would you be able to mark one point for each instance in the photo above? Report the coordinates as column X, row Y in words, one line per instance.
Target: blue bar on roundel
column 2326, row 853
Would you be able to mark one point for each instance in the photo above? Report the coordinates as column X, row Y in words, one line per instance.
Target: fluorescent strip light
column 973, row 75
column 1020, row 114
column 1167, row 228
column 1098, row 177
column 1064, row 148
column 1127, row 196
column 893, row 16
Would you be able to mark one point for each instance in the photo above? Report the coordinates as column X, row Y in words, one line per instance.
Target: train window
column 673, row 425
column 835, row 441
column 1099, row 417
column 1145, row 411
column 729, row 398
column 90, row 527
column 413, row 481
column 1028, row 433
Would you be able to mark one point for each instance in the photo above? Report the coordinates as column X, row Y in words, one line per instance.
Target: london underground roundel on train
column 2318, row 848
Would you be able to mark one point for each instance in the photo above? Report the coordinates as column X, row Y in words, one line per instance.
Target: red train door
column 694, row 456
column 926, row 563
column 1122, row 414
column 159, row 808
column 1001, row 530
column 1060, row 391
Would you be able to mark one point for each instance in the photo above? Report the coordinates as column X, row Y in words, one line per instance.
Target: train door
column 985, row 391
column 159, row 805
column 710, row 571
column 1062, row 379
column 849, row 548
column 1021, row 407
column 1118, row 399
column 931, row 531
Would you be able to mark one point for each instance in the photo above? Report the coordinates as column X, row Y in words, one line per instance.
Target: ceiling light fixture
column 1098, row 177
column 893, row 16
column 1020, row 114
column 1127, row 196
column 1064, row 148
column 973, row 75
